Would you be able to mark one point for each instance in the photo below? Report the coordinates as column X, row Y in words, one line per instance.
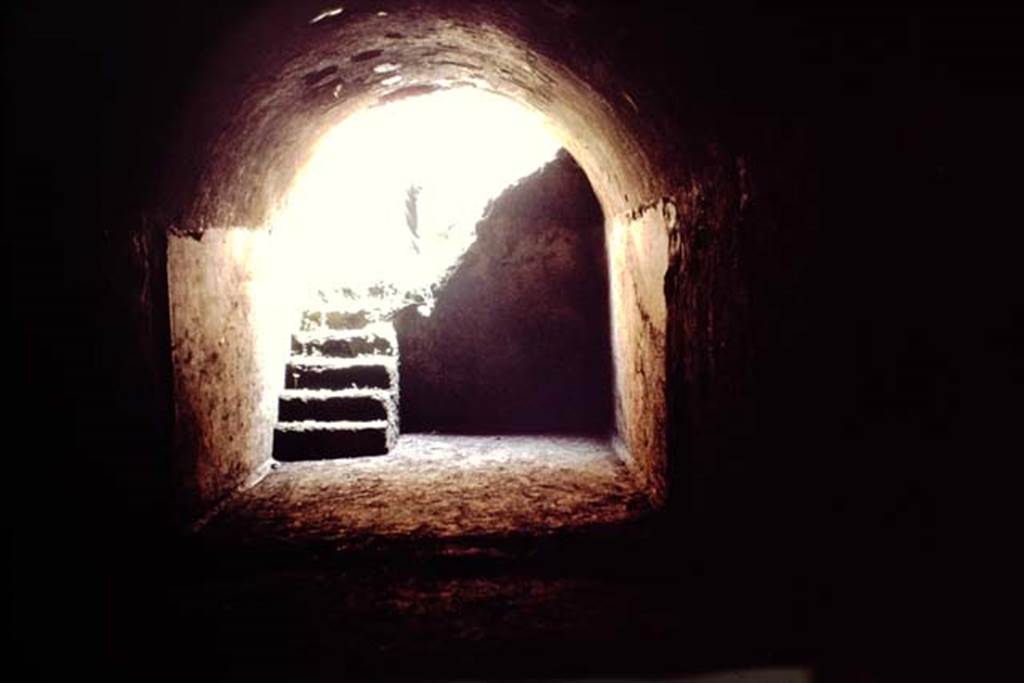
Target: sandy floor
column 437, row 487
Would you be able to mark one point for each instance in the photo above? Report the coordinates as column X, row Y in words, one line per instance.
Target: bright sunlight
column 390, row 198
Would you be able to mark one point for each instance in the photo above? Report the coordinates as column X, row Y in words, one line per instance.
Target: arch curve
column 293, row 71
column 255, row 117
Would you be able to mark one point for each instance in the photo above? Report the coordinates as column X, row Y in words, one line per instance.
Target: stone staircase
column 341, row 389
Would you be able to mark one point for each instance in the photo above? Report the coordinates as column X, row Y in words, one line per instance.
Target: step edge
column 362, row 360
column 308, row 336
column 331, row 426
column 325, row 394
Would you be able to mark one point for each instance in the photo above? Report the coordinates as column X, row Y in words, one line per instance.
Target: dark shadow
column 519, row 339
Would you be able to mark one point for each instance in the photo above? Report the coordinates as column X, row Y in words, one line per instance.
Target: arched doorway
column 227, row 280
column 453, row 217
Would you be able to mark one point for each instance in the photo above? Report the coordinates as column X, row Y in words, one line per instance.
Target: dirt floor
column 452, row 557
column 436, row 487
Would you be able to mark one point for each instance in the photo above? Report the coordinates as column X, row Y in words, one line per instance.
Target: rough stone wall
column 709, row 310
column 228, row 346
column 747, row 333
column 638, row 252
column 519, row 338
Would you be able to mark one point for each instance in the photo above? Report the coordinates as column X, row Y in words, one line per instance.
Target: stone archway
column 257, row 130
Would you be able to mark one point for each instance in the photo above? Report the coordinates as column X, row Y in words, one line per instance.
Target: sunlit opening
column 390, row 197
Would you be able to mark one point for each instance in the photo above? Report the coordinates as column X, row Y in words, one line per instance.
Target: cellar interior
column 672, row 401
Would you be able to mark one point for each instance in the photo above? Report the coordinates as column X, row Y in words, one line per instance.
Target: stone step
column 375, row 339
column 297, row 405
column 335, row 320
column 324, row 372
column 294, row 441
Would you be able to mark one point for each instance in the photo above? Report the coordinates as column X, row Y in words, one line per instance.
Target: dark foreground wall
column 519, row 338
